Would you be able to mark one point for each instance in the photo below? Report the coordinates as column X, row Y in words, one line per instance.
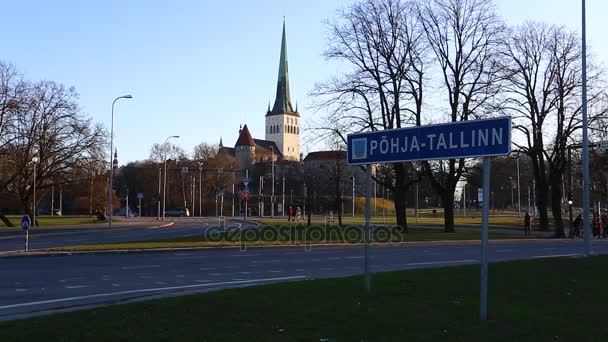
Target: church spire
column 282, row 103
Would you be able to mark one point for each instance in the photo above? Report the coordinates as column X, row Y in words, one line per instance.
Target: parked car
column 178, row 212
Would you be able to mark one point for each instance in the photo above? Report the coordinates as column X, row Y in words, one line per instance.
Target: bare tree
column 464, row 36
column 543, row 72
column 166, row 150
column 48, row 124
column 381, row 42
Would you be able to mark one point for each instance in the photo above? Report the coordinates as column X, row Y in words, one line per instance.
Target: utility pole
column 158, row 194
column 200, row 189
column 518, row 189
column 272, row 193
column 233, row 195
column 53, row 200
column 283, row 197
column 353, row 178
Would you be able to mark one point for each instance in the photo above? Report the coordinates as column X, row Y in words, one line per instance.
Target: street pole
column 518, row 190
column 200, row 191
column 247, row 177
column 34, row 160
column 483, row 300
column 111, row 160
column 139, row 207
column 464, row 204
column 272, row 194
column 283, row 197
column 193, row 181
column 353, row 177
column 512, row 192
column 61, row 199
column 586, row 218
column 417, row 208
column 375, row 198
column 232, row 199
column 368, row 191
column 160, row 174
column 53, row 200
column 127, row 205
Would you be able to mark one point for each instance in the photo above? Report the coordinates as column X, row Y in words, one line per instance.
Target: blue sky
column 198, row 69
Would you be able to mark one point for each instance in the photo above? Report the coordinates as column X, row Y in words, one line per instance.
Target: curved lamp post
column 111, row 165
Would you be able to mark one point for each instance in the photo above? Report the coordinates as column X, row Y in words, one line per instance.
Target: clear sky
column 199, row 68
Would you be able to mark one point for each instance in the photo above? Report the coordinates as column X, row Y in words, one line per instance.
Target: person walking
column 527, row 224
column 290, row 214
column 577, row 225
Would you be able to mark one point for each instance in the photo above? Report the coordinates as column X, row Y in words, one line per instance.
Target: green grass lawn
column 54, row 221
column 289, row 235
column 541, row 300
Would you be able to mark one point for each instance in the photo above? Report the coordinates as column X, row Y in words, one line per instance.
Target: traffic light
column 570, row 198
column 246, row 196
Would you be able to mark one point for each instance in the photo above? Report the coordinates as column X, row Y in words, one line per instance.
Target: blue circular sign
column 25, row 222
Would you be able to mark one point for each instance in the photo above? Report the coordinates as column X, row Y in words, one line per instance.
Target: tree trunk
column 400, row 192
column 541, row 205
column 448, row 211
column 556, row 207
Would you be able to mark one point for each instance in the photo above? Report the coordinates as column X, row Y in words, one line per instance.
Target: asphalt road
column 14, row 240
column 46, row 284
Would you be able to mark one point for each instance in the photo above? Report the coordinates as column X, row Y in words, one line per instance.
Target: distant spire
column 221, row 144
column 282, row 102
column 268, row 106
column 296, row 106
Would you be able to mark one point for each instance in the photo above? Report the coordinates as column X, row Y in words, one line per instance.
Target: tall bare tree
column 542, row 92
column 380, row 41
column 464, row 36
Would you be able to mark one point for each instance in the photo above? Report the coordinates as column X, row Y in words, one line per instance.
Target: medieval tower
column 282, row 122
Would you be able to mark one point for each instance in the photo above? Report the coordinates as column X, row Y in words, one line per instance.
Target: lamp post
column 165, row 176
column 587, row 226
column 35, row 161
column 111, row 165
column 200, row 190
column 518, row 190
column 272, row 193
column 512, row 192
column 353, row 179
column 158, row 196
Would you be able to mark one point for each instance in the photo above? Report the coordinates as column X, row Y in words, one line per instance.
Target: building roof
column 282, row 102
column 268, row 145
column 245, row 138
column 325, row 155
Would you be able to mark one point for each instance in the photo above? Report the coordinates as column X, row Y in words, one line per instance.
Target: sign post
column 465, row 139
column 140, row 196
column 25, row 225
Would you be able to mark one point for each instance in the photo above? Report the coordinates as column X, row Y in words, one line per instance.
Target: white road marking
column 109, row 294
column 245, row 272
column 504, row 250
column 354, row 257
column 207, row 269
column 334, row 258
column 275, row 271
column 238, row 279
column 441, row 262
column 215, row 274
column 76, row 286
column 159, row 283
column 20, row 290
column 138, row 267
column 555, row 256
column 116, row 285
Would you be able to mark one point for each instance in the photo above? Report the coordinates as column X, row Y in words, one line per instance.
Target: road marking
column 138, row 267
column 441, row 262
column 109, row 294
column 202, row 281
column 504, row 250
column 76, row 286
column 159, row 283
column 354, row 257
column 116, row 285
column 207, row 269
column 274, row 271
column 334, row 258
column 238, row 279
column 215, row 274
column 184, row 254
column 555, row 256
column 245, row 272
column 20, row 290
column 145, row 277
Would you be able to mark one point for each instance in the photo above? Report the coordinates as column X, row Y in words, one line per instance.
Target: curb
column 284, row 246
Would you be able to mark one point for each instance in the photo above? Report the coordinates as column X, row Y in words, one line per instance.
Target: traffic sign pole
column 483, row 293
column 368, row 191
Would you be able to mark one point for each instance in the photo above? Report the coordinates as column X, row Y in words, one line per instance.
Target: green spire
column 282, row 103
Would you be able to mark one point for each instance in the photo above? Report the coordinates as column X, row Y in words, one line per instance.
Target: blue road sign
column 25, row 222
column 140, row 195
column 465, row 139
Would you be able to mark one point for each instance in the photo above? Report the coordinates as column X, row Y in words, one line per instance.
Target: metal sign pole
column 483, row 293
column 27, row 240
column 586, row 181
column 368, row 191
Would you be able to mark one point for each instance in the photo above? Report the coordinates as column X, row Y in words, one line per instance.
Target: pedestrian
column 577, row 225
column 290, row 214
column 605, row 225
column 527, row 224
column 298, row 214
column 331, row 216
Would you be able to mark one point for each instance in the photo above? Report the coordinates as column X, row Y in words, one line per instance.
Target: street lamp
column 272, row 193
column 512, row 192
column 353, row 179
column 35, row 161
column 165, row 176
column 111, row 149
column 587, row 226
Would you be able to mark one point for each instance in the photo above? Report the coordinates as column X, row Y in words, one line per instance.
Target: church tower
column 282, row 122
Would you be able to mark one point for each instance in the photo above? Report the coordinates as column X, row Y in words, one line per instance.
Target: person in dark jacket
column 527, row 224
